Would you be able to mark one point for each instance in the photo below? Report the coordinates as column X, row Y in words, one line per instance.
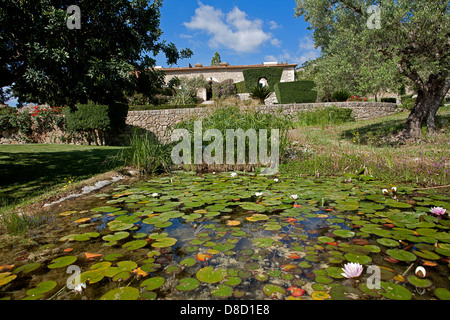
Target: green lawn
column 28, row 171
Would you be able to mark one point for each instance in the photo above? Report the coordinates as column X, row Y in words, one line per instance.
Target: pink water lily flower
column 352, row 270
column 438, row 211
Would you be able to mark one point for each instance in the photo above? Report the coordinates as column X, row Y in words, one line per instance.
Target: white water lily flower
column 294, row 196
column 258, row 194
column 80, row 288
column 438, row 211
column 276, row 180
column 394, row 189
column 233, row 174
column 155, row 194
column 352, row 270
column 421, row 272
column 385, row 191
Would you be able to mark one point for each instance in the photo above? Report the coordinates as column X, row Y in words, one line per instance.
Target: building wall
column 223, row 74
column 159, row 121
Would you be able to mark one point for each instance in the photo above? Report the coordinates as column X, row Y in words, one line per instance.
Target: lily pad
column 62, row 262
column 419, row 283
column 27, row 268
column 344, row 233
column 164, row 242
column 388, row 242
column 258, row 217
column 394, row 291
column 42, row 288
column 442, row 293
column 135, row 244
column 187, row 284
column 153, row 283
column 273, row 290
column 105, row 209
column 401, row 255
column 125, row 293
column 209, row 275
column 6, row 277
column 222, row 291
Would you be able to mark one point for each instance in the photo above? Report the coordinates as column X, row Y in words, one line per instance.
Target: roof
column 228, row 67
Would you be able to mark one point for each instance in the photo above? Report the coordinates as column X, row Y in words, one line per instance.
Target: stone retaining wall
column 158, row 121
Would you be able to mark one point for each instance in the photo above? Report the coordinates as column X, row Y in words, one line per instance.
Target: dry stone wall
column 159, row 121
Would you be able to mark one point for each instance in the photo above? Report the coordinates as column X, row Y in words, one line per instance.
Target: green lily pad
column 42, row 288
column 125, row 293
column 419, row 283
column 273, row 290
column 209, row 275
column 153, row 283
column 188, row 262
column 395, row 291
column 397, row 204
column 442, row 293
column 62, row 262
column 105, row 209
column 401, row 255
column 135, row 244
column 264, row 242
column 164, row 242
column 250, row 206
column 344, row 233
column 426, row 254
column 362, row 259
column 222, row 291
column 388, row 242
column 116, row 236
column 27, row 268
column 187, row 284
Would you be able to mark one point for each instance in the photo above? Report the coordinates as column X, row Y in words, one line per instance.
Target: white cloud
column 273, row 25
column 306, row 51
column 232, row 30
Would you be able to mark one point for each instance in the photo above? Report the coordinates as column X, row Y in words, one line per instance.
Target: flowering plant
column 357, row 98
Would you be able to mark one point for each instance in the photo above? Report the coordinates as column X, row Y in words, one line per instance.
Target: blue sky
column 242, row 31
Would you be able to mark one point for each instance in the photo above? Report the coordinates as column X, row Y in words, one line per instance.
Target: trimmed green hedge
column 252, row 77
column 296, row 92
column 240, row 87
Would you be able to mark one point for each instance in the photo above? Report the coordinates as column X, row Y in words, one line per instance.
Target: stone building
column 224, row 71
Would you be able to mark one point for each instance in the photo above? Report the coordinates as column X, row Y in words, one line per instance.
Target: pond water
column 217, row 236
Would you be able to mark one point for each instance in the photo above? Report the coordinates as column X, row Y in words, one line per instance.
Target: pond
column 236, row 236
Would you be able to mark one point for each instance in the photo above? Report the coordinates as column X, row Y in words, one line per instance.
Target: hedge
column 252, row 77
column 296, row 92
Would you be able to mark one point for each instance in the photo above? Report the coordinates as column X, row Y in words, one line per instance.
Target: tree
column 413, row 41
column 216, row 60
column 187, row 89
column 44, row 61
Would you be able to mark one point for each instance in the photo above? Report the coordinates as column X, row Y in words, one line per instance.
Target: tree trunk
column 429, row 98
column 435, row 102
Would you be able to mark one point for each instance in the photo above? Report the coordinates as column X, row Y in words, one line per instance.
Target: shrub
column 296, row 92
column 340, row 96
column 389, row 100
column 357, row 98
column 240, row 87
column 260, row 93
column 224, row 89
column 252, row 77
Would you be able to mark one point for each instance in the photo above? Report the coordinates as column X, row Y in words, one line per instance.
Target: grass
column 31, row 171
column 363, row 148
column 145, row 153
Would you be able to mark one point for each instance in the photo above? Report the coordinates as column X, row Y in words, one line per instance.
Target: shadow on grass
column 377, row 133
column 29, row 174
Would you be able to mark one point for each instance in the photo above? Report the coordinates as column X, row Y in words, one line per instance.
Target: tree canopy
column 411, row 44
column 45, row 61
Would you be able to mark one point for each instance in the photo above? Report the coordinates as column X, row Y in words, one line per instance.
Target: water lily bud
column 385, row 192
column 394, row 190
column 420, row 272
